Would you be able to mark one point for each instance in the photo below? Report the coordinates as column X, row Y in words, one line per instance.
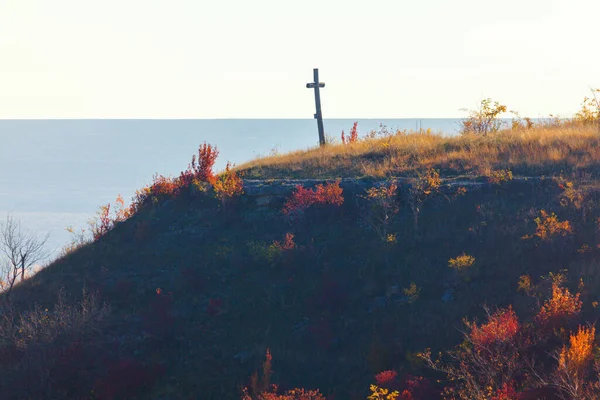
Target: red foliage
column 202, row 167
column 303, row 198
column 354, row 133
column 387, row 379
column 417, row 388
column 262, row 389
column 186, row 177
column 163, row 185
column 502, row 326
column 329, row 194
column 294, row 394
column 288, row 242
column 506, row 392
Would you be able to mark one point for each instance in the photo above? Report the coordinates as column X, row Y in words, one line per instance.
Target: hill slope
column 198, row 291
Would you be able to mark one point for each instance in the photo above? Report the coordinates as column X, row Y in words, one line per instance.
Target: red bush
column 354, row 133
column 506, row 392
column 203, row 165
column 303, row 198
column 387, row 379
column 163, row 185
column 288, row 242
column 502, row 326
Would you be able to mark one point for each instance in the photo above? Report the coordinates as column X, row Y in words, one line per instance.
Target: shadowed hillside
column 186, row 291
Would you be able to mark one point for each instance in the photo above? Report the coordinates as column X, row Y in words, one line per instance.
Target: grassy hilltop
column 198, row 290
column 546, row 150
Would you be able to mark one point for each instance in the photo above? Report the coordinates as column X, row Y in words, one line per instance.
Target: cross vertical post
column 318, row 115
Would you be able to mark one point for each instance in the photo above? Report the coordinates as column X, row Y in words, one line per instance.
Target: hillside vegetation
column 199, row 290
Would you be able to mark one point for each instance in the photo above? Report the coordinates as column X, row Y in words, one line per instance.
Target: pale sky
column 252, row 58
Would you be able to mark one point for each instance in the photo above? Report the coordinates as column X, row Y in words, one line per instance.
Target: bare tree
column 21, row 250
column 8, row 276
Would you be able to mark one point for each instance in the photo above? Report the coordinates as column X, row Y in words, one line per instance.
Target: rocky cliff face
column 265, row 192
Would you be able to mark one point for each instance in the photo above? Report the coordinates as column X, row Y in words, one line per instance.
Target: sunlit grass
column 536, row 151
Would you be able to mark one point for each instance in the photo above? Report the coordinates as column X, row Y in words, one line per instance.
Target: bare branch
column 21, row 250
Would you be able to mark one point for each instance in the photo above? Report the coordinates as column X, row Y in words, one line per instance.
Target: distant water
column 56, row 173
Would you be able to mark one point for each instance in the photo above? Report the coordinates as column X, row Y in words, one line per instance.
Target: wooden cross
column 318, row 116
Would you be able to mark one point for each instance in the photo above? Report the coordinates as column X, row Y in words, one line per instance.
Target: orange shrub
column 163, row 185
column 549, row 226
column 562, row 304
column 571, row 195
column 579, row 353
column 121, row 212
column 228, row 185
column 461, row 262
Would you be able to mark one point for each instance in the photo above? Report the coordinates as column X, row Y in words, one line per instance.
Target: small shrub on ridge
column 461, row 262
column 353, row 135
column 228, row 185
column 483, row 120
column 549, row 226
column 561, row 305
column 303, row 198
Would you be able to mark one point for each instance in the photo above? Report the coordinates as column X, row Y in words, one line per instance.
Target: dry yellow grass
column 545, row 150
